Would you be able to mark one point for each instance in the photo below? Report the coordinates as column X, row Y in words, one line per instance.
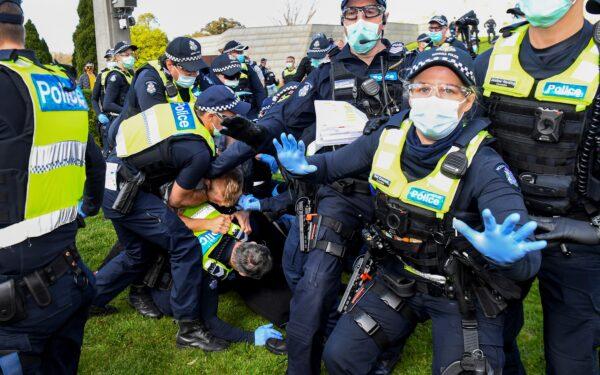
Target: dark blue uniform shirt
column 36, row 252
column 97, row 94
column 115, row 92
column 487, row 184
column 297, row 115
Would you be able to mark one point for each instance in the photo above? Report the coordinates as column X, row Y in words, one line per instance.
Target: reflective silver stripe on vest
column 37, row 226
column 46, row 158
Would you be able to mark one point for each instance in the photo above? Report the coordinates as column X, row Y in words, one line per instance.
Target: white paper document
column 338, row 123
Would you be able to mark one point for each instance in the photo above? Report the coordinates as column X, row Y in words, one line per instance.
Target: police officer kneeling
column 50, row 171
column 430, row 166
column 162, row 144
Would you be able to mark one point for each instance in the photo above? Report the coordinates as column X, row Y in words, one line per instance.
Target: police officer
column 438, row 33
column 177, row 76
column 51, row 171
column 179, row 148
column 490, row 27
column 540, row 85
column 98, row 96
column 118, row 80
column 271, row 81
column 226, row 71
column 318, row 51
column 430, row 166
column 224, row 251
column 313, row 272
column 289, row 72
column 250, row 88
column 423, row 41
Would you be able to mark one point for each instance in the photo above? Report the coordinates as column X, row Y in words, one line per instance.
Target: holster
column 12, row 303
column 128, row 189
column 155, row 272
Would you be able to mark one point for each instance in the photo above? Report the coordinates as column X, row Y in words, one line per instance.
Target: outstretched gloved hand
column 263, row 333
column 291, row 155
column 248, row 203
column 569, row 230
column 268, row 160
column 501, row 243
column 103, row 119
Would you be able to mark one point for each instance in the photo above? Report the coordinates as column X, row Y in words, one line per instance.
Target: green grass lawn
column 126, row 343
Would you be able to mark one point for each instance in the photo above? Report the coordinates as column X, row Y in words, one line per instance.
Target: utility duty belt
column 310, row 226
column 14, row 291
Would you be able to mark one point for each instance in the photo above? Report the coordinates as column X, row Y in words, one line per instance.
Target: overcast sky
column 56, row 19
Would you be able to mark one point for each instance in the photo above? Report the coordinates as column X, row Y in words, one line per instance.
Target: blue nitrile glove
column 80, row 210
column 248, row 203
column 263, row 333
column 291, row 155
column 268, row 160
column 501, row 243
column 103, row 119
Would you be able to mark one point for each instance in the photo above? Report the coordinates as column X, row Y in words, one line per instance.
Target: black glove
column 374, row 124
column 244, row 130
column 568, row 230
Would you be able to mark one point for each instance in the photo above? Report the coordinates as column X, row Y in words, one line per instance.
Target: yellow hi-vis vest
column 56, row 172
column 209, row 241
column 435, row 192
column 176, row 99
column 575, row 86
column 104, row 75
column 154, row 125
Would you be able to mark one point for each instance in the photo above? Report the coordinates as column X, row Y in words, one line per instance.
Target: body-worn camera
column 548, row 125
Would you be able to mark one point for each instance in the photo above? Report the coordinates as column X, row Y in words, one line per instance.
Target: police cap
column 226, row 66
column 423, row 38
column 123, row 46
column 109, row 53
column 593, row 6
column 187, row 53
column 15, row 19
column 441, row 19
column 458, row 60
column 234, row 45
column 220, row 98
column 319, row 47
column 380, row 2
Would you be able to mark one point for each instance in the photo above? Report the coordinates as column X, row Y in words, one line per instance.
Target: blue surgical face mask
column 128, row 62
column 434, row 117
column 241, row 58
column 231, row 83
column 545, row 13
column 185, row 81
column 315, row 63
column 436, row 37
column 362, row 30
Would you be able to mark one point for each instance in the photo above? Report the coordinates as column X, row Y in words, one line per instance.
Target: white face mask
column 434, row 117
column 111, row 64
column 231, row 83
column 289, row 65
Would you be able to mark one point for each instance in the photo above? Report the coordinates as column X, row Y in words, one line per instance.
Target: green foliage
column 150, row 40
column 37, row 45
column 126, row 343
column 93, row 129
column 216, row 27
column 84, row 37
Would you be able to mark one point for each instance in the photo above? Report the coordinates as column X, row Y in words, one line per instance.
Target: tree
column 216, row 27
column 148, row 20
column 293, row 13
column 84, row 37
column 37, row 45
column 150, row 40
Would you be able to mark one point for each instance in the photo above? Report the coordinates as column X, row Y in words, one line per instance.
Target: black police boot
column 276, row 346
column 194, row 334
column 141, row 300
column 102, row 310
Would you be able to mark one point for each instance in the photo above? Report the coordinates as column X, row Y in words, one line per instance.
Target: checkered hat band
column 468, row 72
column 183, row 59
column 227, row 67
column 220, row 108
column 318, row 50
